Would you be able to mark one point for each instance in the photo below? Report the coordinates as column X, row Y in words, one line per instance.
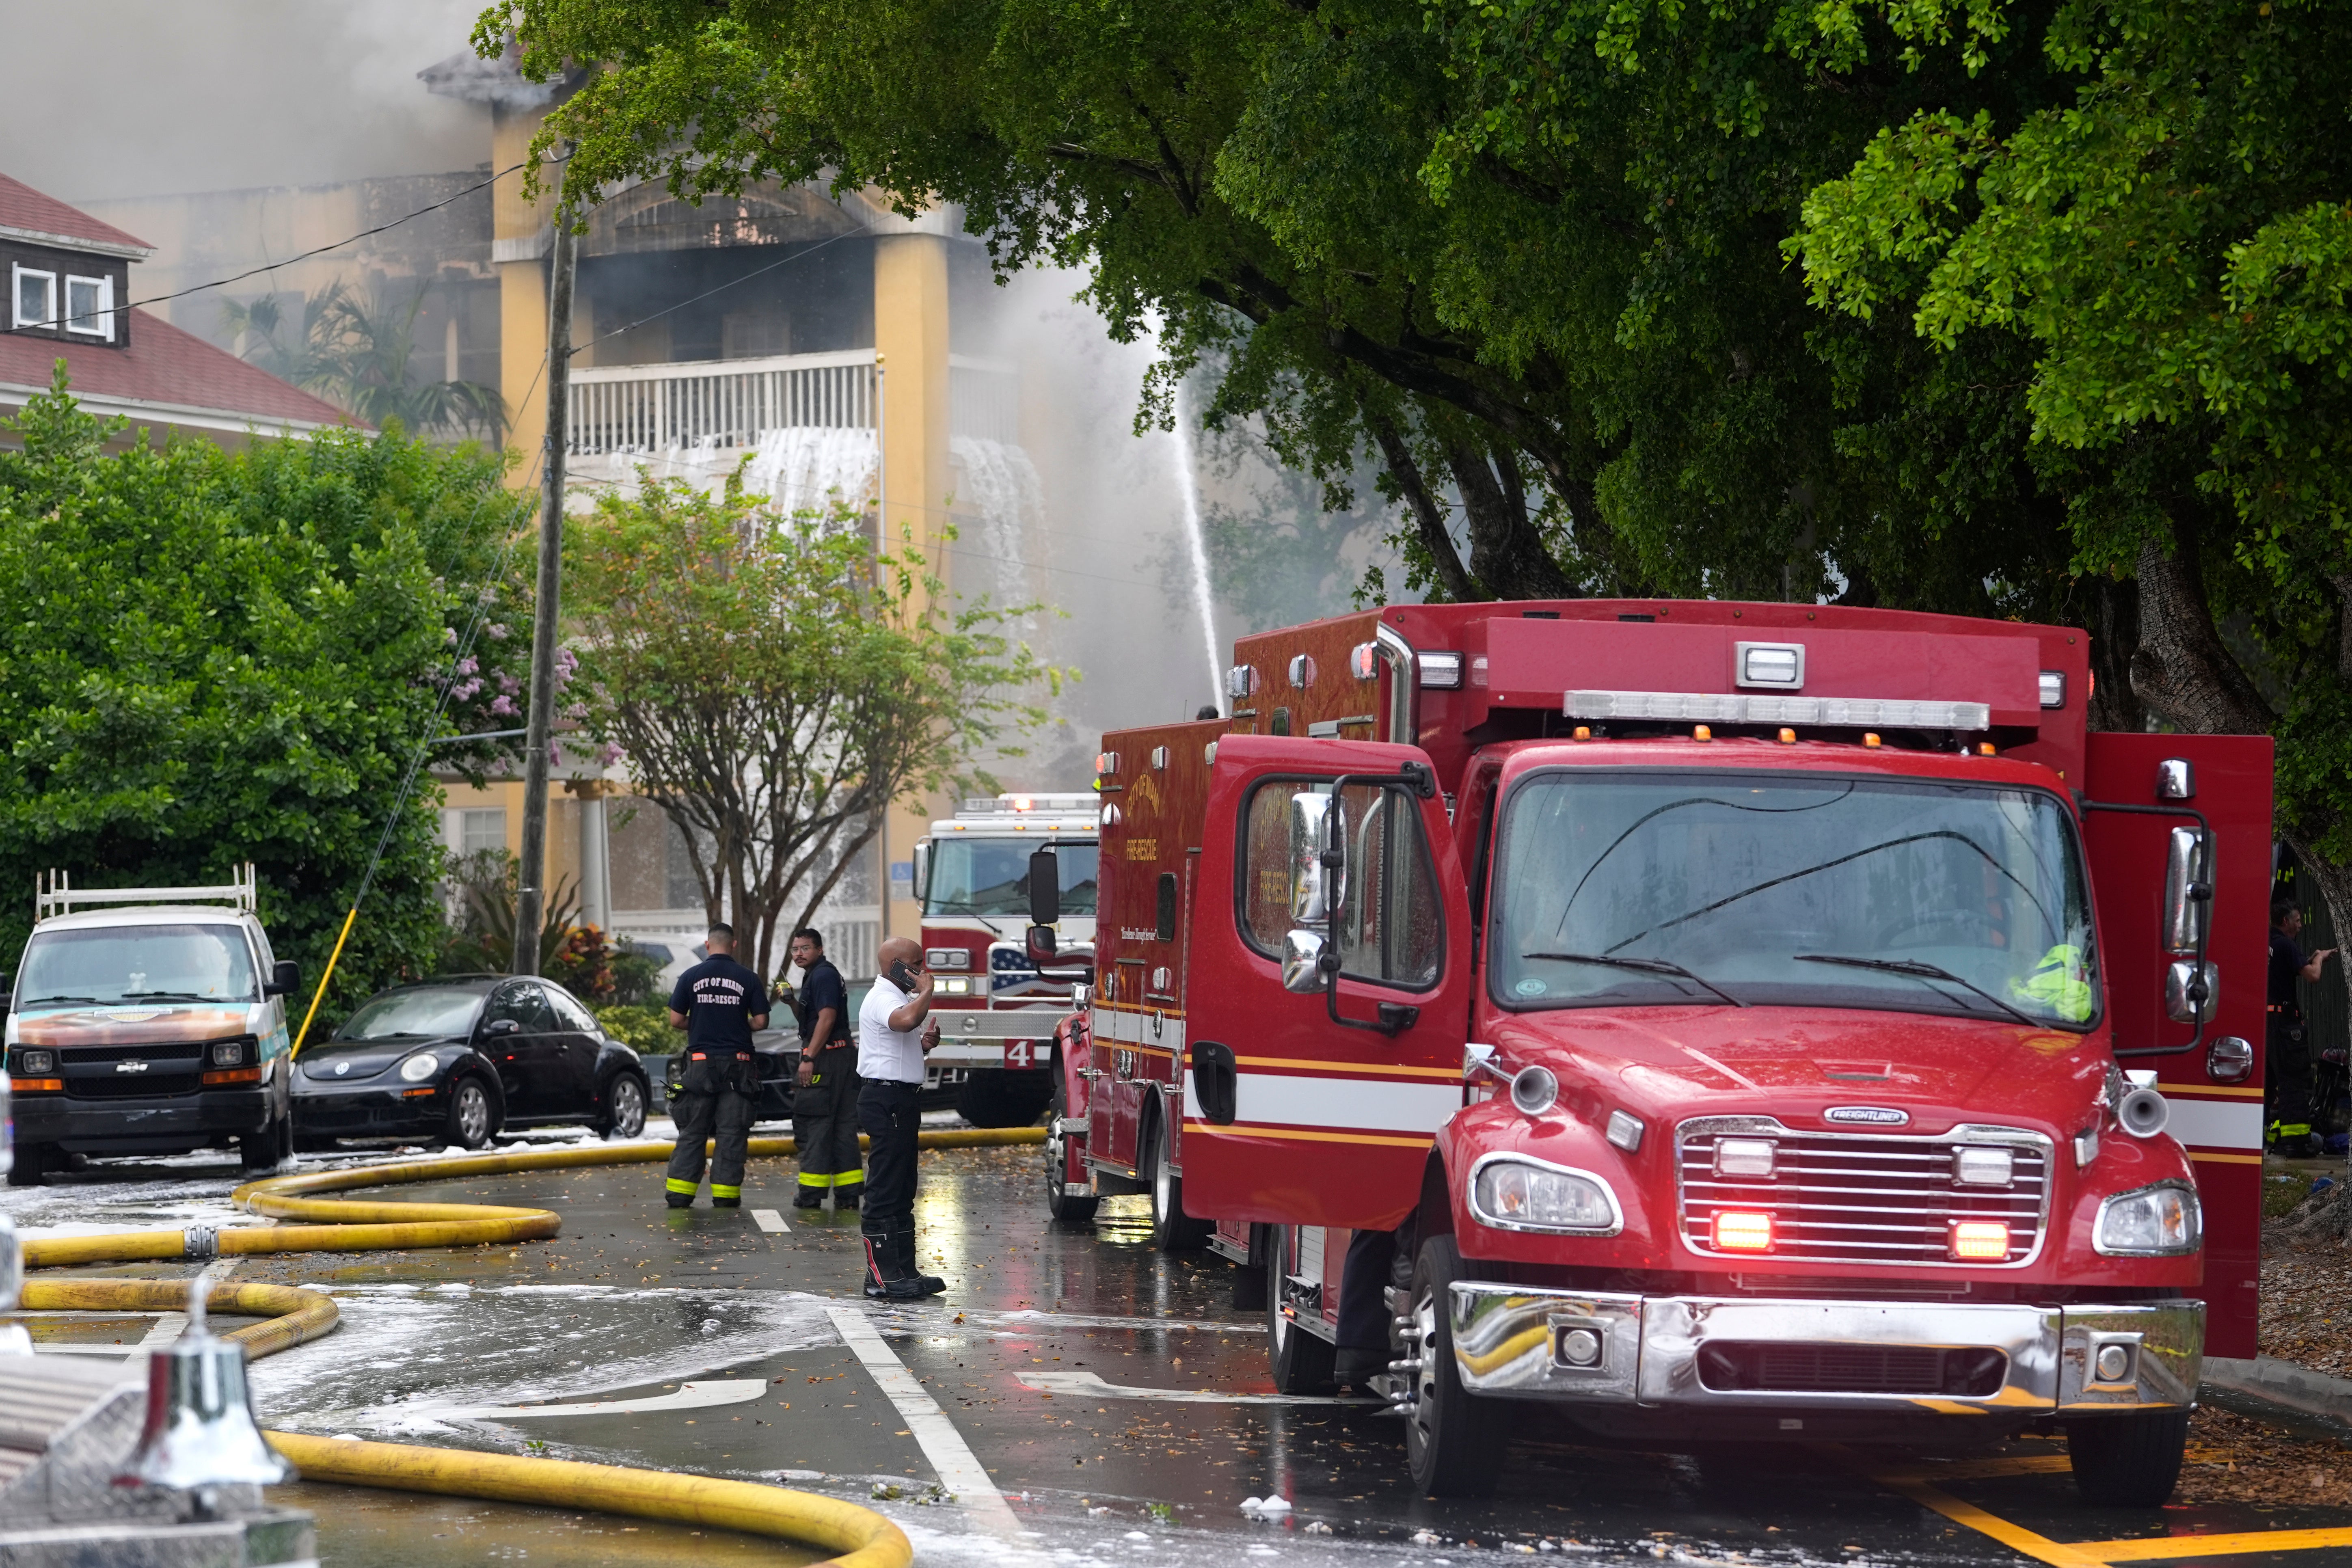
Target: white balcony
column 728, row 405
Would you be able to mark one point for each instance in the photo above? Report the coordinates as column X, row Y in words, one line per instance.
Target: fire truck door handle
column 1217, row 1081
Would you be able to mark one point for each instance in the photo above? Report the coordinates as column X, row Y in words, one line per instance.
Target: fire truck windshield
column 990, row 877
column 1637, row 889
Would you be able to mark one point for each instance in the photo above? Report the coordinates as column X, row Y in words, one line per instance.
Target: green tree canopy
column 773, row 684
column 209, row 658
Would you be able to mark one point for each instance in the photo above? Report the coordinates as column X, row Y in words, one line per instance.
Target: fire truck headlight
column 1513, row 1193
column 2161, row 1221
column 956, row 986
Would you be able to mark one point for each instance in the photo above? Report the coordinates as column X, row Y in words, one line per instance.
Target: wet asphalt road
column 1112, row 1397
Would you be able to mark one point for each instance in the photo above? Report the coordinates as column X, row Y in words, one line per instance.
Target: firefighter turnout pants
column 711, row 1106
column 825, row 1130
column 2286, row 1083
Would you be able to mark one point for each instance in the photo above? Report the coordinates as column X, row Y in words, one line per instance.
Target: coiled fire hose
column 292, row 1315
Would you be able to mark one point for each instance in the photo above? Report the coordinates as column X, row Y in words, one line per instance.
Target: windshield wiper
column 169, row 997
column 36, row 1001
column 1918, row 971
column 971, row 913
column 1644, row 966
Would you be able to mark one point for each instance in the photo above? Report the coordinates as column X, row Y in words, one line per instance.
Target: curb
column 2278, row 1386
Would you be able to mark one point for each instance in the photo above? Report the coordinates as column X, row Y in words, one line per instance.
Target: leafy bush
column 646, row 1027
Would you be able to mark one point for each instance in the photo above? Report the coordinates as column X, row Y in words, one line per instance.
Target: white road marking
column 958, row 1468
column 167, row 1328
column 772, row 1222
column 1087, row 1384
column 689, row 1396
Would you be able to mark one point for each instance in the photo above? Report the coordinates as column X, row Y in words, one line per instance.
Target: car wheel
column 2127, row 1461
column 1172, row 1230
column 33, row 1162
column 625, row 1115
column 1301, row 1362
column 1453, row 1444
column 1066, row 1207
column 472, row 1118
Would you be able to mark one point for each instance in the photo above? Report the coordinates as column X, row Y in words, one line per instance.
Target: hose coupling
column 201, row 1242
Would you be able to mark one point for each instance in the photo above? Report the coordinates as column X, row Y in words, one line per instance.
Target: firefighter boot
column 886, row 1279
column 925, row 1284
column 848, row 1196
column 810, row 1196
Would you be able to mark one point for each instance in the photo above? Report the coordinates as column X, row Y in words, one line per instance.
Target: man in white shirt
column 894, row 1031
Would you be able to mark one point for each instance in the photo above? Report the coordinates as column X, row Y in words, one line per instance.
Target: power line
column 322, row 250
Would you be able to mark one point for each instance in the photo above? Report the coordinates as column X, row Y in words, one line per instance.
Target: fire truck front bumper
column 1753, row 1354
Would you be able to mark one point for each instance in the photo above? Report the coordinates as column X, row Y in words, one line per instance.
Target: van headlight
column 419, row 1068
column 1512, row 1192
column 2161, row 1221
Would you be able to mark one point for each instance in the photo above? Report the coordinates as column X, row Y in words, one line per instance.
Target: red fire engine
column 1719, row 1021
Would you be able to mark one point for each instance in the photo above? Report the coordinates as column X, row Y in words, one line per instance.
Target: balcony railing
column 651, row 408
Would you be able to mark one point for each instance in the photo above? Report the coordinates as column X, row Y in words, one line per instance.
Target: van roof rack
column 55, row 894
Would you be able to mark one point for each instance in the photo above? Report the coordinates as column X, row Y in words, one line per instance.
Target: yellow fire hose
column 355, row 1226
column 863, row 1538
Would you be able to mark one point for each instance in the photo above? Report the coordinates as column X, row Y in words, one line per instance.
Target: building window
column 481, row 828
column 89, row 307
column 35, row 297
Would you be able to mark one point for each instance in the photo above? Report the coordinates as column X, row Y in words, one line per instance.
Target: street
column 1075, row 1397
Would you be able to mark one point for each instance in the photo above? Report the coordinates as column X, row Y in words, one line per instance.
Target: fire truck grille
column 1855, row 1198
column 1737, row 1366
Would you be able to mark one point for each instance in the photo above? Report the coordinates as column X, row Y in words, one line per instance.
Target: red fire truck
column 998, row 995
column 1718, row 1021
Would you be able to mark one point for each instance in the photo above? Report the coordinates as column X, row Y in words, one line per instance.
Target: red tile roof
column 163, row 365
column 23, row 207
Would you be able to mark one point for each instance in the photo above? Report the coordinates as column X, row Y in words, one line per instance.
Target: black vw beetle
column 459, row 1058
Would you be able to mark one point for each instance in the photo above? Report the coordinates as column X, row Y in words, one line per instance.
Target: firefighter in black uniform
column 825, row 1105
column 2286, row 1076
column 718, row 1002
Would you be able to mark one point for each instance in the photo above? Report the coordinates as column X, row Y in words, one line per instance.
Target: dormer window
column 33, row 298
column 89, row 307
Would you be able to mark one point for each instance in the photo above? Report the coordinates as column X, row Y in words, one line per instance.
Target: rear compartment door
column 1291, row 1117
column 2221, row 1124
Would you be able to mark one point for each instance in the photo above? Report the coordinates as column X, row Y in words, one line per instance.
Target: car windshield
column 428, row 1010
column 1617, row 889
column 188, row 962
column 990, row 877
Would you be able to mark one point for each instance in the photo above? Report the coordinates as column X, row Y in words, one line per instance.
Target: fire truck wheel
column 1065, row 1207
column 1301, row 1363
column 1454, row 1443
column 1172, row 1230
column 2128, row 1461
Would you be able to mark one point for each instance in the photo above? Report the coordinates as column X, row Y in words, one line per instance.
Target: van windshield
column 990, row 877
column 1906, row 895
column 138, row 964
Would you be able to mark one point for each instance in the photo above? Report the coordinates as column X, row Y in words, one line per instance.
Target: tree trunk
column 1428, row 520
column 1507, row 553
column 2181, row 669
column 2112, row 621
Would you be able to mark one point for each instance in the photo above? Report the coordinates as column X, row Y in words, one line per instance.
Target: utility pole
column 531, row 898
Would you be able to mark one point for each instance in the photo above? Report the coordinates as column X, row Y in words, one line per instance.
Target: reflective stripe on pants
column 725, row 1115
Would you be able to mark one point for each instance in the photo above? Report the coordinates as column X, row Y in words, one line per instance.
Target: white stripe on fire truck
column 2216, row 1123
column 1352, row 1104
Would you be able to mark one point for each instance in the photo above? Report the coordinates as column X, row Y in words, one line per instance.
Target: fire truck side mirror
column 2187, row 893
column 1040, row 942
column 1302, row 962
column 1045, row 890
column 922, row 871
column 1318, row 881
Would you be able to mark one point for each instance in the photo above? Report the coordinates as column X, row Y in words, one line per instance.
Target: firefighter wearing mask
column 718, row 1002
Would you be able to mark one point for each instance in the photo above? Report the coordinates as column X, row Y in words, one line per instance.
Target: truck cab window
column 987, row 877
column 1388, row 920
column 1911, row 896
